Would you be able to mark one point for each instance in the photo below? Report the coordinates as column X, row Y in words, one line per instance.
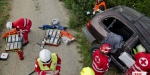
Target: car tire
column 94, row 48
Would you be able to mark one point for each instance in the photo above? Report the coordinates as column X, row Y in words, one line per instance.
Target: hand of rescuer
column 49, row 72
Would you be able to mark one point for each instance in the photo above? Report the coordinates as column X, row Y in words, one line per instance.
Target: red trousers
column 25, row 34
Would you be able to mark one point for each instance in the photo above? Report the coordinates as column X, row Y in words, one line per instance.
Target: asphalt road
column 40, row 12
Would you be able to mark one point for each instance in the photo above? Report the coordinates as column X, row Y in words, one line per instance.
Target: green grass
column 4, row 12
column 84, row 49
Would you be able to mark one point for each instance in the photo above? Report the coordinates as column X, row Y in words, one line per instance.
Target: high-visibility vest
column 96, row 8
column 53, row 63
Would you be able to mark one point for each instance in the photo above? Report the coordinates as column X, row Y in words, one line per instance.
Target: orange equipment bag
column 10, row 32
column 65, row 33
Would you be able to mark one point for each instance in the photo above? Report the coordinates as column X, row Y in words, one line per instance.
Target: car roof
column 139, row 20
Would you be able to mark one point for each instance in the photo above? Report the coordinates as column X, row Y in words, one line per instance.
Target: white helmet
column 9, row 25
column 45, row 56
column 55, row 21
column 140, row 48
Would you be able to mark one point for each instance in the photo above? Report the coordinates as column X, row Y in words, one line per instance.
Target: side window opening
column 134, row 46
column 116, row 26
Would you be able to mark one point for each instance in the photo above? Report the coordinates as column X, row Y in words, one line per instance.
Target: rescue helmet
column 55, row 21
column 87, row 71
column 45, row 56
column 140, row 48
column 105, row 48
column 9, row 25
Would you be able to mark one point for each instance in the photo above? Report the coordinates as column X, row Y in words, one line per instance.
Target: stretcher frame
column 15, row 43
column 53, row 37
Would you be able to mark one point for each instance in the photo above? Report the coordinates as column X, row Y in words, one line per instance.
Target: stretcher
column 52, row 37
column 13, row 42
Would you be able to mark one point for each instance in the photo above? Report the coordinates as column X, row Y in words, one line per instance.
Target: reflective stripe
column 107, row 66
column 27, row 21
column 35, row 65
column 135, row 68
column 41, row 72
column 24, row 22
column 96, row 68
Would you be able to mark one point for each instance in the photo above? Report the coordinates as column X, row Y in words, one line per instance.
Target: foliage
column 84, row 50
column 4, row 8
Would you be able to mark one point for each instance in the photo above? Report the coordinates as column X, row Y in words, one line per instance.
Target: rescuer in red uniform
column 101, row 61
column 47, row 63
column 99, row 7
column 23, row 24
column 142, row 63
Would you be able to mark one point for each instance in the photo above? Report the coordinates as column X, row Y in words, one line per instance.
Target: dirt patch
column 40, row 12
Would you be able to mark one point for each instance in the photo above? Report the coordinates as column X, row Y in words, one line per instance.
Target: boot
column 25, row 43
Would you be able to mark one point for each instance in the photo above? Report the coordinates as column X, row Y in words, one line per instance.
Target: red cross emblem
column 143, row 61
column 97, row 59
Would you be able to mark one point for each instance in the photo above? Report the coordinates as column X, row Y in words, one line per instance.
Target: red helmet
column 105, row 48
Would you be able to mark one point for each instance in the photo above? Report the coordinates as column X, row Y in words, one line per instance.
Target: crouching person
column 101, row 61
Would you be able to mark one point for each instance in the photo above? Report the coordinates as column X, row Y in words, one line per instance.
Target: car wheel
column 94, row 48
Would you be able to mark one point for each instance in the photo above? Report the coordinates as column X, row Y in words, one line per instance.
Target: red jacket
column 37, row 68
column 141, row 64
column 100, row 63
column 22, row 24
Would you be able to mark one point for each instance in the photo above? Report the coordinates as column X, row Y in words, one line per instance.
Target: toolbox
column 52, row 37
column 13, row 42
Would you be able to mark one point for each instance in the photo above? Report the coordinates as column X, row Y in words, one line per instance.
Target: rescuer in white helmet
column 48, row 63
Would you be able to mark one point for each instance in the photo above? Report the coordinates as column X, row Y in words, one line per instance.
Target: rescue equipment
column 55, row 21
column 13, row 42
column 67, row 38
column 52, row 37
column 46, row 26
column 126, row 59
column 10, row 32
column 4, row 56
column 20, row 53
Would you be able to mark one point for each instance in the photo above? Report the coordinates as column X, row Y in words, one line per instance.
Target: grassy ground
column 4, row 12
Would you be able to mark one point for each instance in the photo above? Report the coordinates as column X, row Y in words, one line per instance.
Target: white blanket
column 126, row 59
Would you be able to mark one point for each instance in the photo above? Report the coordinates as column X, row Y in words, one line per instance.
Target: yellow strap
column 134, row 51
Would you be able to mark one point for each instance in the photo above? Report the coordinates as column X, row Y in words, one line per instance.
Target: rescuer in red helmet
column 101, row 61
